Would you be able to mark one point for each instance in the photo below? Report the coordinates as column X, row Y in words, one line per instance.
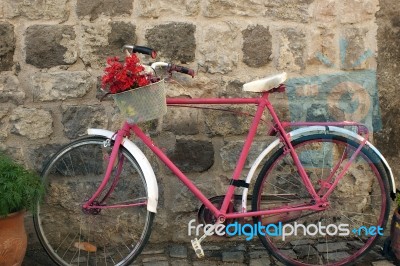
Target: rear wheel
column 339, row 234
column 72, row 235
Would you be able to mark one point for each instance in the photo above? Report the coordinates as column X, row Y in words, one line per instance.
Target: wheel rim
column 301, row 253
column 112, row 236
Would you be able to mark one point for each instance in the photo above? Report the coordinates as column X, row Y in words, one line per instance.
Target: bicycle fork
column 112, row 160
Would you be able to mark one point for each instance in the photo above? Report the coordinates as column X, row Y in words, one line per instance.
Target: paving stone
column 331, row 247
column 155, row 259
column 178, row 251
column 259, row 262
column 382, row 263
column 258, row 254
column 233, row 256
column 305, row 250
column 156, row 263
column 336, row 256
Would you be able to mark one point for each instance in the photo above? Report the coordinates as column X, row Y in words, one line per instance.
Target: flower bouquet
column 138, row 94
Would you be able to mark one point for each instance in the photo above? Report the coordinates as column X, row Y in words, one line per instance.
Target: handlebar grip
column 145, row 50
column 183, row 70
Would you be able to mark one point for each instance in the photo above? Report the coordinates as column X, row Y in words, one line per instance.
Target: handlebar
column 140, row 49
column 171, row 68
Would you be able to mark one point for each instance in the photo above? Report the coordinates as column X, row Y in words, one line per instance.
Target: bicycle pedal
column 197, row 248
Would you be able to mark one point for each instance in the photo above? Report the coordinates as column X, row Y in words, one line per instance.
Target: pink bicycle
column 102, row 192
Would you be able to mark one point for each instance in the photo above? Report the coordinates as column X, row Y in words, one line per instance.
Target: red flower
column 120, row 77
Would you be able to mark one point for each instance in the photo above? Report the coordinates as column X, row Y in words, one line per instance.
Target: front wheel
column 107, row 235
column 340, row 233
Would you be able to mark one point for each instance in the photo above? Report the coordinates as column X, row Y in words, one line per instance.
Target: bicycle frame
column 320, row 203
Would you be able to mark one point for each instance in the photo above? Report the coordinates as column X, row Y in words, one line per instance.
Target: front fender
column 144, row 164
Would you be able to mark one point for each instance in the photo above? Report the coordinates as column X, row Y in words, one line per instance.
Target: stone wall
column 52, row 54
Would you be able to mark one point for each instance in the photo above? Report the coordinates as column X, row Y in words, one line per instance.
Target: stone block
column 217, row 8
column 193, row 155
column 178, row 251
column 292, row 48
column 32, row 123
column 77, row 119
column 10, row 89
column 7, row 46
column 324, row 10
column 174, row 41
column 365, row 11
column 93, row 9
column 230, row 153
column 154, row 8
column 323, row 47
column 55, row 86
column 41, row 9
column 257, row 46
column 354, row 52
column 183, row 121
column 232, row 256
column 216, row 57
column 4, row 125
column 121, row 33
column 50, row 45
column 289, row 10
column 42, row 154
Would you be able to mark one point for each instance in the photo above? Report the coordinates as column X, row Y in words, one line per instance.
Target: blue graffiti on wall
column 346, row 95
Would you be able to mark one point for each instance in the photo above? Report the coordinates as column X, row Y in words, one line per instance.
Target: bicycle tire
column 71, row 235
column 356, row 201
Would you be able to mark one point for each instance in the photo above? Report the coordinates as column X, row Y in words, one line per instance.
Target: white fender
column 151, row 181
column 306, row 131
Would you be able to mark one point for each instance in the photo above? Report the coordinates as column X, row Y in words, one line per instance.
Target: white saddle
column 265, row 84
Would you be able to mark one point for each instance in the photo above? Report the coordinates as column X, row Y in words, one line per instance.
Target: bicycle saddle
column 265, row 84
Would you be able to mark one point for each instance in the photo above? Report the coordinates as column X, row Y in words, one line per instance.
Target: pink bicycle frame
column 262, row 103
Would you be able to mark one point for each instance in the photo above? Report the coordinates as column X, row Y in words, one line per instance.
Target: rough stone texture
column 77, row 119
column 154, row 8
column 216, row 57
column 41, row 155
column 31, row 122
column 41, row 9
column 298, row 11
column 291, row 50
column 178, row 251
column 221, row 123
column 121, row 33
column 323, row 49
column 94, row 9
column 10, row 90
column 174, row 41
column 234, row 256
column 388, row 76
column 231, row 151
column 183, row 121
column 94, row 37
column 216, row 8
column 7, row 46
column 50, row 45
column 257, row 45
column 60, row 85
column 188, row 151
column 4, row 125
column 352, row 48
column 365, row 10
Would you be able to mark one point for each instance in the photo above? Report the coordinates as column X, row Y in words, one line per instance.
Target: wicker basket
column 142, row 104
